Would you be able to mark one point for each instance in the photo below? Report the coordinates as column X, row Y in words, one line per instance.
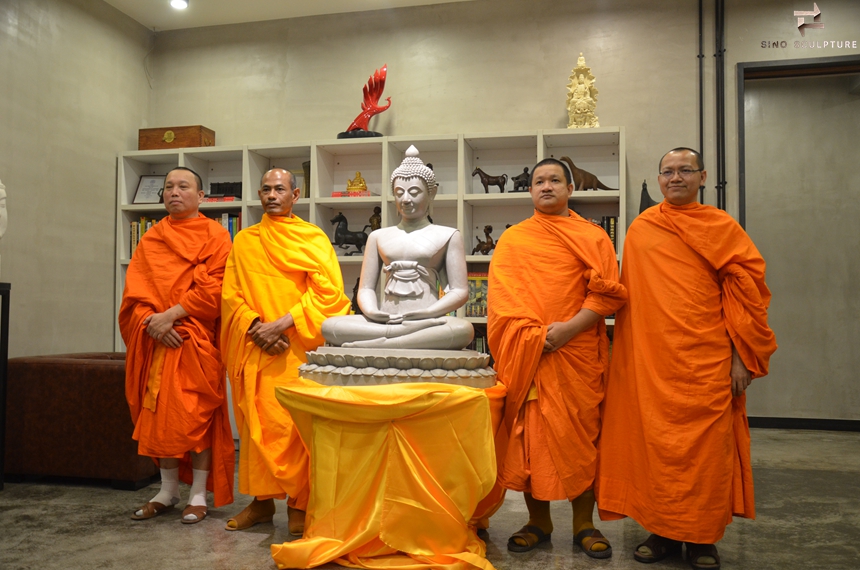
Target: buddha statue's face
column 411, row 197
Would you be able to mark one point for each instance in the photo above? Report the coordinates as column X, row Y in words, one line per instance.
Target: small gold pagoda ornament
column 581, row 97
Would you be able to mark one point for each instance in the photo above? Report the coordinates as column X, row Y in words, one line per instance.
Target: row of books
column 608, row 223
column 138, row 228
column 232, row 223
column 479, row 343
column 345, row 194
column 476, row 306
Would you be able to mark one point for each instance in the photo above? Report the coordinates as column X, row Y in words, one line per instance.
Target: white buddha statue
column 417, row 258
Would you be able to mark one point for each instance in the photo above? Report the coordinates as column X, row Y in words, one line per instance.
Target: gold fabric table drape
column 398, row 474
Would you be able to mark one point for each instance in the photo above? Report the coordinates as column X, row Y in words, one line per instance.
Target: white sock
column 197, row 497
column 169, row 493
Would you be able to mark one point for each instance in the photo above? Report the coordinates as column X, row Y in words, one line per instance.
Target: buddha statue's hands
column 375, row 315
column 418, row 315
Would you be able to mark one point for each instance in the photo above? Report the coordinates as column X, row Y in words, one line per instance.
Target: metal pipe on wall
column 720, row 75
column 701, row 57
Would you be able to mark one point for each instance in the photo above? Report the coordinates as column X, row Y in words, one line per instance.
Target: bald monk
column 175, row 382
column 553, row 279
column 675, row 448
column 282, row 281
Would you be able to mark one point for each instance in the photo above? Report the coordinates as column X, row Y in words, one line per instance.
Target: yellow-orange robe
column 544, row 270
column 675, row 447
column 178, row 397
column 277, row 266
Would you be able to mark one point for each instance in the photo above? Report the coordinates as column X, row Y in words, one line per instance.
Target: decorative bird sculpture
column 370, row 105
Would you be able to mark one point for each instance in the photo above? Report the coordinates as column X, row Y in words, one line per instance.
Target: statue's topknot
column 414, row 166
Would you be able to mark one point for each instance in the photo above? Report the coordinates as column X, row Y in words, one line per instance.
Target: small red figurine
column 369, row 107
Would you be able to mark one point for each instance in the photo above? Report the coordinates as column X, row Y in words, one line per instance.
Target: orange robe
column 277, row 266
column 178, row 397
column 675, row 448
column 544, row 270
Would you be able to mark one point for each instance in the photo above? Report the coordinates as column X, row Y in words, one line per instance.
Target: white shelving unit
column 460, row 202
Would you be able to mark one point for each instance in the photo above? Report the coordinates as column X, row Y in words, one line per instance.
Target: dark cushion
column 67, row 416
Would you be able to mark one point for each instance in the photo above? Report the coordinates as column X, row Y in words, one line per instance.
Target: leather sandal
column 698, row 551
column 255, row 513
column 199, row 511
column 296, row 521
column 532, row 536
column 587, row 538
column 660, row 547
column 150, row 510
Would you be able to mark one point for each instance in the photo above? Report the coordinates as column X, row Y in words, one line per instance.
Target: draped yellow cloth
column 277, row 266
column 397, row 472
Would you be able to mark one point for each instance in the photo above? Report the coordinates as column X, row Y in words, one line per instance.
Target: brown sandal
column 256, row 512
column 587, row 538
column 660, row 548
column 697, row 551
column 150, row 510
column 296, row 521
column 531, row 535
column 197, row 510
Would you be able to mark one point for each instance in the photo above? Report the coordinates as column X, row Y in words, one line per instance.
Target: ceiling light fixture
column 179, row 4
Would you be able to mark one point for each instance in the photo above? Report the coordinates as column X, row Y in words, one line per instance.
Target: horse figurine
column 485, row 247
column 488, row 180
column 344, row 238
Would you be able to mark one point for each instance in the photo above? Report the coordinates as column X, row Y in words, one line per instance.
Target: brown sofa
column 67, row 417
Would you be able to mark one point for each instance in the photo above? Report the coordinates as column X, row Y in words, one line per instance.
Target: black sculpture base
column 358, row 134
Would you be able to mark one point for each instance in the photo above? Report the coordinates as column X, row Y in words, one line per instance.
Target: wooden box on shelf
column 175, row 137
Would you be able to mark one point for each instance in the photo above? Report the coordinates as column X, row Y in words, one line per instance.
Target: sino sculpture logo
column 802, row 24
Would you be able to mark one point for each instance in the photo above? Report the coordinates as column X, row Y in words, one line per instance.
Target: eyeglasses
column 684, row 172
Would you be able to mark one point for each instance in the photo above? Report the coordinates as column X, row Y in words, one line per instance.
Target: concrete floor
column 807, row 496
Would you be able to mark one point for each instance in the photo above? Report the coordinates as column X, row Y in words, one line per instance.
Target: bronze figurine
column 485, row 247
column 521, row 181
column 344, row 238
column 583, row 180
column 488, row 180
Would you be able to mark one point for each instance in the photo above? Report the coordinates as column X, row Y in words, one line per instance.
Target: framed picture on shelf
column 149, row 190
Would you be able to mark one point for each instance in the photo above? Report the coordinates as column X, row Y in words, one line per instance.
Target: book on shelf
column 137, row 229
column 608, row 223
column 219, row 199
column 345, row 194
column 232, row 223
column 225, row 190
column 476, row 306
column 480, row 343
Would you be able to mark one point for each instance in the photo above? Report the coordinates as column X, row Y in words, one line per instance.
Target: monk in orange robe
column 675, row 448
column 282, row 281
column 175, row 383
column 553, row 279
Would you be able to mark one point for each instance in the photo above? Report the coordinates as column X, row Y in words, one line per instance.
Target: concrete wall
column 72, row 94
column 803, row 198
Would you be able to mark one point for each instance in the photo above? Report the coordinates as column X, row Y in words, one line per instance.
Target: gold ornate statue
column 357, row 184
column 581, row 97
